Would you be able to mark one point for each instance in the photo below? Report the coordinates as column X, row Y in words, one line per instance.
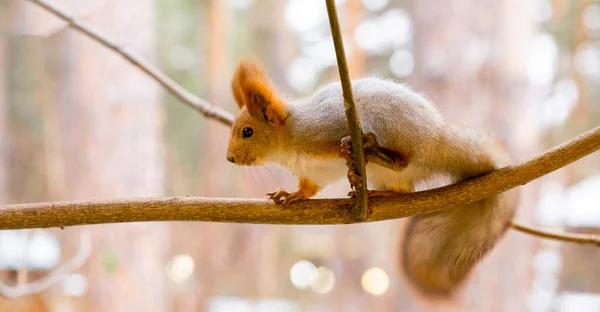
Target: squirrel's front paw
column 374, row 153
column 346, row 153
column 369, row 143
column 283, row 198
column 277, row 195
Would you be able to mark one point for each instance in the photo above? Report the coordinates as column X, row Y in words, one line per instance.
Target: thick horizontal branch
column 589, row 239
column 200, row 105
column 315, row 211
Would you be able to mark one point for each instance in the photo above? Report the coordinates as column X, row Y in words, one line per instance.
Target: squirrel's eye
column 247, row 132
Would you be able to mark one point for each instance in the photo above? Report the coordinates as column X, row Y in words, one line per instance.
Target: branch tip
column 588, row 239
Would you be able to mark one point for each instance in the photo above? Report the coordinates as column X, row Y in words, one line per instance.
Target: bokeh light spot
column 375, row 281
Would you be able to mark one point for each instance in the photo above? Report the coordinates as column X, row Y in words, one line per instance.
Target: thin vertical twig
column 359, row 211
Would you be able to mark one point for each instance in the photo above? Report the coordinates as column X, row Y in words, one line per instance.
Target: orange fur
column 245, row 69
column 252, row 89
column 307, row 188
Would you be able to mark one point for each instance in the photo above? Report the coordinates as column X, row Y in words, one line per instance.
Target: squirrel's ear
column 262, row 103
column 237, row 93
column 251, row 88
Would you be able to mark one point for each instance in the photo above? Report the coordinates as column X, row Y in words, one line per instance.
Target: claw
column 296, row 196
column 369, row 140
column 346, row 148
column 355, row 179
column 277, row 195
column 283, row 198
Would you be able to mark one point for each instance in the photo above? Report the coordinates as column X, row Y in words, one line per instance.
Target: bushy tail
column 439, row 250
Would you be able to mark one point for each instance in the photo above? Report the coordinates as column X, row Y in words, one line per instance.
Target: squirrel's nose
column 231, row 159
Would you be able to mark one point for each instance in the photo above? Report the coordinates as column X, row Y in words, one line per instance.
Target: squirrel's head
column 258, row 130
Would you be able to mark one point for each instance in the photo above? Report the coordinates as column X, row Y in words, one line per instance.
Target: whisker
column 271, row 173
column 230, row 171
column 252, row 175
column 261, row 179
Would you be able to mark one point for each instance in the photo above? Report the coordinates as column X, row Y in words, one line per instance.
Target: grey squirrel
column 437, row 250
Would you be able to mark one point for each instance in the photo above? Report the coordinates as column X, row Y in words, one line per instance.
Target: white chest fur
column 328, row 171
column 319, row 171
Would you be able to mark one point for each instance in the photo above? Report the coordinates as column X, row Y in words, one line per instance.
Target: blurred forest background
column 79, row 122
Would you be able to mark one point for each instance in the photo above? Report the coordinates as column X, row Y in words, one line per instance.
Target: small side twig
column 589, row 239
column 200, row 105
column 55, row 276
column 359, row 211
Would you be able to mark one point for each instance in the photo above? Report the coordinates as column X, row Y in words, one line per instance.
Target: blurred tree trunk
column 580, row 37
column 25, row 170
column 217, row 91
column 272, row 41
column 4, row 37
column 22, row 60
column 470, row 58
column 354, row 13
column 215, row 254
column 111, row 125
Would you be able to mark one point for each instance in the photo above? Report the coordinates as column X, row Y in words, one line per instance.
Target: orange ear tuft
column 245, row 69
column 251, row 89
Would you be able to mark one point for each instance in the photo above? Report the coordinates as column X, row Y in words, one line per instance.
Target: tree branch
column 314, row 211
column 331, row 211
column 590, row 239
column 200, row 105
column 358, row 170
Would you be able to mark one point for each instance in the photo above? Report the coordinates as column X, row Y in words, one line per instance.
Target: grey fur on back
column 383, row 107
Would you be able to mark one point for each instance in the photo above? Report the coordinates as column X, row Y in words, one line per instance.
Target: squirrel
column 437, row 250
